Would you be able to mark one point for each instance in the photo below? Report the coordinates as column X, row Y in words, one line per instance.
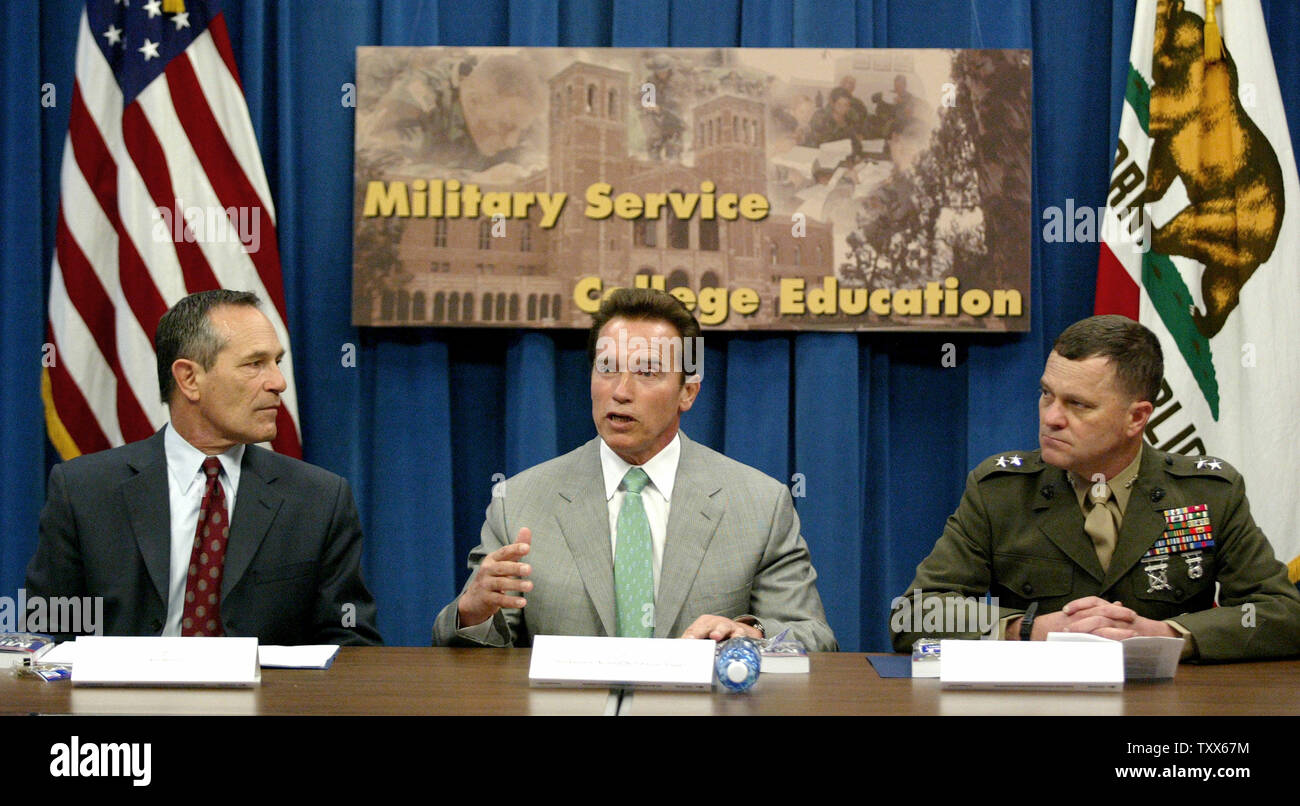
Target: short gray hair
column 186, row 331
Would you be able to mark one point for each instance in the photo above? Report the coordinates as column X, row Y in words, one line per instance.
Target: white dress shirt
column 185, row 484
column 656, row 497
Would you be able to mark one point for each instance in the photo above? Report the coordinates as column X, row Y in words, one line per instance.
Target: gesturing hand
column 499, row 575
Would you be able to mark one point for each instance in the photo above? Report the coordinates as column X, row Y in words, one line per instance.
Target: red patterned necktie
column 202, row 614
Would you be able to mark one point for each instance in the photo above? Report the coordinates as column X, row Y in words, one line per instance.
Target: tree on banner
column 1200, row 248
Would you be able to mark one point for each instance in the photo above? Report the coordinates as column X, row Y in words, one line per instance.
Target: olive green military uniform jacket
column 1018, row 535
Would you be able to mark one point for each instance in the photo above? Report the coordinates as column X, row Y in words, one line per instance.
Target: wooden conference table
column 425, row 681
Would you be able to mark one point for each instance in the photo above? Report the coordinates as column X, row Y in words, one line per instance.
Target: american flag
column 162, row 194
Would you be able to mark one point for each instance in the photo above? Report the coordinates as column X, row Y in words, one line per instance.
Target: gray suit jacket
column 733, row 548
column 292, row 569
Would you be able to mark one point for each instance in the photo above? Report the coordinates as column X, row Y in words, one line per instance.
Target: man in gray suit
column 641, row 531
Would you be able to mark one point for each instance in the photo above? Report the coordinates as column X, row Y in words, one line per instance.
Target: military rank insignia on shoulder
column 1010, row 462
column 1199, row 466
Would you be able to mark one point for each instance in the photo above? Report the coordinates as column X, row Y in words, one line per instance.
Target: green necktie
column 634, row 593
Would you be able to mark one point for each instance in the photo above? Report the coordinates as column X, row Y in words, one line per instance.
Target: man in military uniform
column 892, row 118
column 1098, row 533
column 833, row 122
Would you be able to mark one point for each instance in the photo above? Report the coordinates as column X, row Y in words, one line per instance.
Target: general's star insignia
column 1015, row 460
column 1002, row 461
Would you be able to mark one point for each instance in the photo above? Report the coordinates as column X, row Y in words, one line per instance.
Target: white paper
column 682, row 664
column 799, row 159
column 834, row 152
column 1059, row 665
column 171, row 661
column 813, row 193
column 836, row 177
column 62, row 654
column 311, row 656
column 1146, row 657
column 1151, row 657
column 869, row 176
column 814, row 201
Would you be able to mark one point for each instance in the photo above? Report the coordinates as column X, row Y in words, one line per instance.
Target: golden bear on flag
column 1201, row 133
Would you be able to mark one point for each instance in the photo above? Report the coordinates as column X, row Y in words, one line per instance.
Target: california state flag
column 1202, row 245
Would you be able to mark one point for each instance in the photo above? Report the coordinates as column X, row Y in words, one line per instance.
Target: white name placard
column 153, row 661
column 681, row 664
column 1060, row 665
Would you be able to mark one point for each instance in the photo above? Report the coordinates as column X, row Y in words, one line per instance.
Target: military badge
column 1187, row 529
column 1157, row 574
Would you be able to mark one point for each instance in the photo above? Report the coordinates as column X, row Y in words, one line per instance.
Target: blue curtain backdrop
column 882, row 433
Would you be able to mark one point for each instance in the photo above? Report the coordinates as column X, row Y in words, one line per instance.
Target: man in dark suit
column 197, row 530
column 1098, row 533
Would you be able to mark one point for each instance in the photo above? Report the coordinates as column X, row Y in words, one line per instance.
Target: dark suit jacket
column 292, row 572
column 733, row 548
column 1018, row 534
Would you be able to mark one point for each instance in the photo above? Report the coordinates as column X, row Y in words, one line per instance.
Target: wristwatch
column 1027, row 621
column 755, row 622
